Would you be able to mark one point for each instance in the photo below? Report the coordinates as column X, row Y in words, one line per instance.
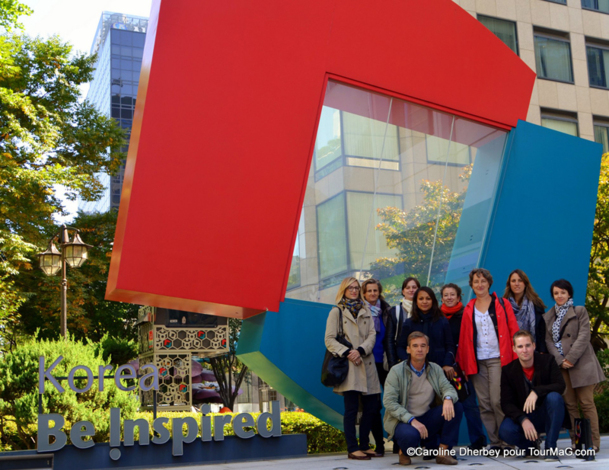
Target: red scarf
column 450, row 311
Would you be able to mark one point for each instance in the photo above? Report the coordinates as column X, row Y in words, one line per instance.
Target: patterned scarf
column 376, row 314
column 407, row 306
column 561, row 311
column 354, row 306
column 525, row 314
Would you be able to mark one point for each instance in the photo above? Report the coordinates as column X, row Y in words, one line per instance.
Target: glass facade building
column 119, row 44
column 389, row 184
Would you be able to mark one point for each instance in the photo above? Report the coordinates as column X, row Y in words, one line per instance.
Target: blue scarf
column 376, row 314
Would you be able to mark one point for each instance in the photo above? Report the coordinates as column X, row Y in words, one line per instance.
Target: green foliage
column 601, row 401
column 19, row 392
column 116, row 351
column 48, row 137
column 90, row 316
column 412, row 235
column 321, row 437
column 10, row 11
column 598, row 277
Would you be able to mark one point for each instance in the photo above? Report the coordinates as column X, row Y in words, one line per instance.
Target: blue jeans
column 472, row 416
column 369, row 408
column 546, row 418
column 407, row 435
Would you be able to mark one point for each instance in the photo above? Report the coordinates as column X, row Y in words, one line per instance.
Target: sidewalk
column 340, row 462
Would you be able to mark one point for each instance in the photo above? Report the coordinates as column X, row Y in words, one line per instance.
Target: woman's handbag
column 458, row 381
column 583, row 438
column 334, row 369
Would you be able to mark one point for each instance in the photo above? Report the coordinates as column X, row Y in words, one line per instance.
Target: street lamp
column 74, row 253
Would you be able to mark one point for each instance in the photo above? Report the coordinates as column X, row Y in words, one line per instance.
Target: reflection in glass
column 397, row 190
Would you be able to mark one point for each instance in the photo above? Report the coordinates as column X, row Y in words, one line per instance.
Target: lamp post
column 52, row 260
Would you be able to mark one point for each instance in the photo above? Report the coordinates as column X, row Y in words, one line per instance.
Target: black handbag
column 334, row 369
column 458, row 381
column 583, row 438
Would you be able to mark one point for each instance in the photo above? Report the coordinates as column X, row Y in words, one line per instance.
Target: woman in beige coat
column 362, row 382
column 568, row 340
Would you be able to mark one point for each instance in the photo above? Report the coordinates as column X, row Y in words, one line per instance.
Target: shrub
column 117, row 351
column 321, row 437
column 19, row 392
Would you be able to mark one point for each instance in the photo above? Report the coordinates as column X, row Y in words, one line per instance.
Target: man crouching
column 531, row 397
column 410, row 418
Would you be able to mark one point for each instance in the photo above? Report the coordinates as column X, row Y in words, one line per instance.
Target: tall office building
column 566, row 42
column 119, row 44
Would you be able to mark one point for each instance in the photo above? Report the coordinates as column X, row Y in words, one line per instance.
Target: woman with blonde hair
column 528, row 307
column 362, row 382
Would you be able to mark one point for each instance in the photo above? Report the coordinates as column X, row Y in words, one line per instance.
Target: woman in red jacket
column 485, row 345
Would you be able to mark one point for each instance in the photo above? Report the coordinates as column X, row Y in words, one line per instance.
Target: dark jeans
column 546, row 418
column 472, row 416
column 407, row 435
column 377, row 421
column 369, row 405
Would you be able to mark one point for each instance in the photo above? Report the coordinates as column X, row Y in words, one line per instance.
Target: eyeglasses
column 353, row 288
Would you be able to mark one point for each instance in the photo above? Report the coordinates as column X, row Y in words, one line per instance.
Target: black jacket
column 389, row 340
column 546, row 378
column 455, row 326
column 540, row 331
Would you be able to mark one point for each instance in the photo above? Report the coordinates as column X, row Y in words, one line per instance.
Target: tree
column 597, row 299
column 90, row 316
column 10, row 11
column 228, row 369
column 48, row 137
column 412, row 234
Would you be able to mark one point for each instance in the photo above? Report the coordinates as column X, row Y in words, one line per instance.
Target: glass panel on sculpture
column 370, row 138
column 294, row 279
column 553, row 59
column 503, row 29
column 327, row 144
column 451, row 152
column 332, row 236
column 568, row 127
column 412, row 196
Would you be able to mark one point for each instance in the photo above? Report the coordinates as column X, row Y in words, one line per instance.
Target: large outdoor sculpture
column 230, row 99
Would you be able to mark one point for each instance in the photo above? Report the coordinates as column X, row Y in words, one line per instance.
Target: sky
column 75, row 21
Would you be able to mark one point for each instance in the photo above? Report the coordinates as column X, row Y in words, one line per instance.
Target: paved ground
column 340, row 462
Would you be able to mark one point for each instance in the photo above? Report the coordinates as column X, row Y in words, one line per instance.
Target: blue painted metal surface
column 541, row 222
column 286, row 350
column 544, row 210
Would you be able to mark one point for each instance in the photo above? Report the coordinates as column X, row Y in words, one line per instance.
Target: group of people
column 524, row 366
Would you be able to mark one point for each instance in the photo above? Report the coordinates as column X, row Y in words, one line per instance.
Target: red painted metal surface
column 226, row 119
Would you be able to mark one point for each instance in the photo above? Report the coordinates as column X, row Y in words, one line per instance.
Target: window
column 561, row 122
column 332, row 236
column 597, row 5
column 598, row 65
column 368, row 139
column 563, row 2
column 438, row 151
column 503, row 29
column 601, row 133
column 553, row 58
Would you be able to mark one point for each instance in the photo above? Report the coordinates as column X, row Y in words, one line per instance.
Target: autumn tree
column 49, row 138
column 90, row 316
column 411, row 233
column 597, row 300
